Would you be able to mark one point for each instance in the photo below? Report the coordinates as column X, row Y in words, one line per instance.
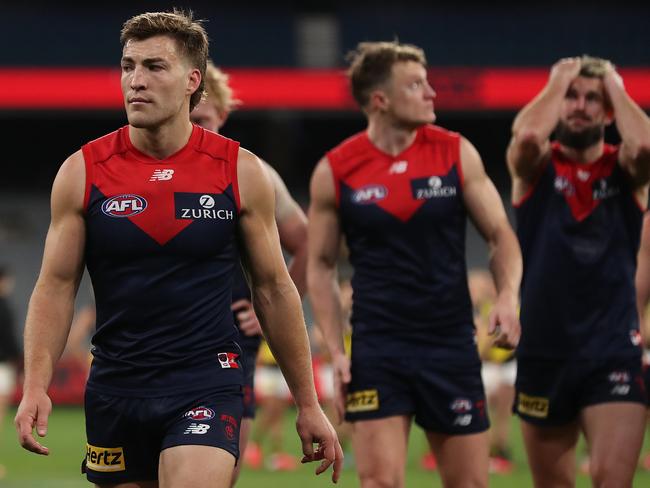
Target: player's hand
column 314, row 428
column 566, row 70
column 612, row 78
column 341, row 366
column 33, row 412
column 503, row 322
column 248, row 322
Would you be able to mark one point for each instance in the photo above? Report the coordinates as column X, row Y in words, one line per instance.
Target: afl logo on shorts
column 200, row 413
column 369, row 194
column 124, row 206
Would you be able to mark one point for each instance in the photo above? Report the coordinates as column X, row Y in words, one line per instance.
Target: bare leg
column 614, row 432
column 462, row 459
column 551, row 454
column 380, row 451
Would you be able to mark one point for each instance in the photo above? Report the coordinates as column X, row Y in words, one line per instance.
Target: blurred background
column 59, row 84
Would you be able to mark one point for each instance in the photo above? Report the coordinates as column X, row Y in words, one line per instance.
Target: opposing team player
column 211, row 113
column 401, row 192
column 579, row 207
column 154, row 210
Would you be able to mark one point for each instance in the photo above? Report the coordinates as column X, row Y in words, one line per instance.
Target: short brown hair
column 218, row 91
column 189, row 34
column 592, row 67
column 371, row 64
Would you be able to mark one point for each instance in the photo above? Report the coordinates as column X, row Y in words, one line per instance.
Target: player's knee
column 607, row 473
column 381, row 478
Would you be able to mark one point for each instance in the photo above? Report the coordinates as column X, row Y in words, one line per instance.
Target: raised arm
column 278, row 307
column 642, row 279
column 486, row 210
column 633, row 126
column 52, row 303
column 529, row 146
column 292, row 226
column 324, row 244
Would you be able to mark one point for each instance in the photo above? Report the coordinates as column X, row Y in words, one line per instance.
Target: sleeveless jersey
column 404, row 221
column 160, row 250
column 579, row 228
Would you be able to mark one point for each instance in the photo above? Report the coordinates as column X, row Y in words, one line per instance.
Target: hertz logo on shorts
column 533, row 406
column 362, row 401
column 106, row 459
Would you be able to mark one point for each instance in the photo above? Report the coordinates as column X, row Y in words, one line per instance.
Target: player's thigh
column 196, row 466
column 551, row 452
column 462, row 459
column 614, row 432
column 380, row 447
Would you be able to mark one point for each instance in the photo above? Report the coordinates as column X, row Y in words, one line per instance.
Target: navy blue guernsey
column 579, row 228
column 160, row 250
column 404, row 221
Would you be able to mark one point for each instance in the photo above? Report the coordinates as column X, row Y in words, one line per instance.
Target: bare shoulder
column 70, row 184
column 322, row 186
column 255, row 185
column 470, row 160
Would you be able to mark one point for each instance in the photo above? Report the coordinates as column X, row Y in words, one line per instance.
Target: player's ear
column 378, row 100
column 193, row 80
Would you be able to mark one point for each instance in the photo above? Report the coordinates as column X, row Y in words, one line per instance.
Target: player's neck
column 162, row 141
column 390, row 139
column 587, row 155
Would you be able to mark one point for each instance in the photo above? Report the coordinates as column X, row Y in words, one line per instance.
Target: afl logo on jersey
column 200, row 413
column 124, row 206
column 369, row 194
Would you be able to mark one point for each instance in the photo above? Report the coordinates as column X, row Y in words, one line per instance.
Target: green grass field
column 66, row 442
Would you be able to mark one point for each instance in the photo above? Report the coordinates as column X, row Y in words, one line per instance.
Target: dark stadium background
column 284, row 35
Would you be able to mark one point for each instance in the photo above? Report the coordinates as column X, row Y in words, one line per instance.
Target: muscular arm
column 529, row 146
column 643, row 277
column 278, row 307
column 634, row 128
column 325, row 294
column 51, row 306
column 486, row 211
column 292, row 226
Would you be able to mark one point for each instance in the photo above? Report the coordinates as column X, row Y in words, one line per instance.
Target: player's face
column 207, row 116
column 584, row 105
column 409, row 94
column 157, row 81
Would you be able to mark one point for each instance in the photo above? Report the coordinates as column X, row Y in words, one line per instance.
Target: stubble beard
column 579, row 140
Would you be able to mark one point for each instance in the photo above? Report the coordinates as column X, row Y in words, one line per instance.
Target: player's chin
column 140, row 120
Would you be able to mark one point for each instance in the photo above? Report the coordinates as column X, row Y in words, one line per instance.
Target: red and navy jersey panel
column 579, row 228
column 404, row 221
column 161, row 250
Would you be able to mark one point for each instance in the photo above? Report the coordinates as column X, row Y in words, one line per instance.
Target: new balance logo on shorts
column 197, row 429
column 162, row 175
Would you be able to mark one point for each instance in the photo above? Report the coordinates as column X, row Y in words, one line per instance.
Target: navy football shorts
column 248, row 361
column 553, row 392
column 126, row 435
column 447, row 399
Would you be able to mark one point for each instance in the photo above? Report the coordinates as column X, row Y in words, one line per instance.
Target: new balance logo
column 398, row 167
column 162, row 175
column 197, row 428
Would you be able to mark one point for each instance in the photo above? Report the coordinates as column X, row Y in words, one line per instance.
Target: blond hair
column 592, row 67
column 189, row 34
column 218, row 91
column 371, row 64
